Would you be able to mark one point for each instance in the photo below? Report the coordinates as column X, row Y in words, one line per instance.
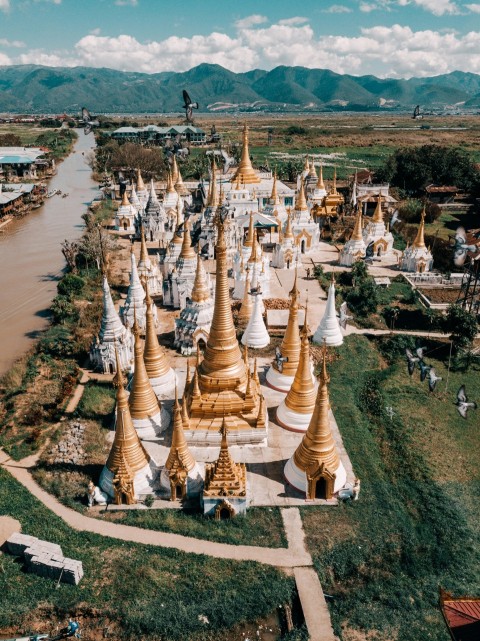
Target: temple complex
column 149, row 418
column 181, row 474
column 376, row 232
column 417, row 257
column 355, row 248
column 296, row 409
column 221, row 386
column 112, row 334
column 193, row 324
column 225, row 490
column 161, row 376
column 315, row 468
column 129, row 471
column 148, row 270
column 329, row 331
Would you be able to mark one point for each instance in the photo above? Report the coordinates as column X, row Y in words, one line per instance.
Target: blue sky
column 398, row 38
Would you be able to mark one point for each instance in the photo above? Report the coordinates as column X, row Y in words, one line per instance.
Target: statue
column 95, row 495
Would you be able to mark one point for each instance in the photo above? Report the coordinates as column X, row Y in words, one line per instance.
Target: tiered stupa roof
column 245, row 171
column 161, row 375
column 225, row 477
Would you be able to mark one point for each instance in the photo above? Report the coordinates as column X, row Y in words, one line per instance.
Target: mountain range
column 38, row 89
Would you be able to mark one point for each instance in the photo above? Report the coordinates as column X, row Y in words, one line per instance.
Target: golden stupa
column 316, row 468
column 201, row 289
column 212, row 198
column 291, row 344
column 187, row 251
column 357, row 233
column 225, row 477
column 301, row 201
column 378, row 213
column 127, row 456
column 140, row 183
column 161, row 375
column 247, row 306
column 420, row 237
column 295, row 411
column 245, row 171
column 219, row 384
column 125, row 202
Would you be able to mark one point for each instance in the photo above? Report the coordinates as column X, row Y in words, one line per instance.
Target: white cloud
column 437, row 7
column 95, row 32
column 474, row 8
column 126, row 3
column 293, row 21
column 11, row 43
column 337, row 8
column 4, row 59
column 396, row 51
column 250, row 21
column 4, row 5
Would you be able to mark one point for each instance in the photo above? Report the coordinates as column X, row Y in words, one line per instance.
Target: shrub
column 462, row 325
column 57, row 342
column 370, row 396
column 359, row 272
column 363, row 299
column 63, row 309
column 70, row 285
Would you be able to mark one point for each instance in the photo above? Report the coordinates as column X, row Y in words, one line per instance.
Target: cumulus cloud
column 474, row 8
column 4, row 59
column 337, row 8
column 250, row 21
column 11, row 43
column 4, row 5
column 396, row 51
column 437, row 7
column 126, row 3
column 293, row 21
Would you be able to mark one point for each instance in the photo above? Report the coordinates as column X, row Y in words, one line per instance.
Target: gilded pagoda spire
column 179, row 452
column 142, row 400
column 251, row 232
column 291, row 344
column 223, row 359
column 144, row 259
column 274, row 199
column 187, row 248
column 288, row 229
column 378, row 213
column 175, row 171
column 334, row 185
column 306, row 164
column 320, row 184
column 156, row 363
column 301, row 396
column 225, row 475
column 311, row 170
column 357, row 233
column 245, row 170
column 212, row 200
column 317, row 445
column 247, row 306
column 420, row 237
column 140, row 183
column 301, row 202
column 125, row 202
column 127, row 447
column 170, row 185
column 200, row 290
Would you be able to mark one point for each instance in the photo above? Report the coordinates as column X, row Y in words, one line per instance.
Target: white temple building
column 355, row 248
column 112, row 334
column 125, row 215
column 377, row 232
column 195, row 319
column 250, row 253
column 141, row 190
column 177, row 287
column 256, row 334
column 329, row 331
column 418, row 257
column 135, row 301
column 286, row 254
column 149, row 270
column 153, row 217
column 305, row 230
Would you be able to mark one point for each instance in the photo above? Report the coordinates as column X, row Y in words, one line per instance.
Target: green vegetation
column 259, row 526
column 97, row 402
column 416, row 524
column 171, row 591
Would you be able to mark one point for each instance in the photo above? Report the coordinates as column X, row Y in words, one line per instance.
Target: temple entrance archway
column 321, row 488
column 302, row 247
column 178, row 492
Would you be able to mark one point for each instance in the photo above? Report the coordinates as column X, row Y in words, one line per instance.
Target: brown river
column 31, row 260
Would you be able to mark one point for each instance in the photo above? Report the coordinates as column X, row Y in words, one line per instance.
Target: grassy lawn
column 416, row 524
column 138, row 591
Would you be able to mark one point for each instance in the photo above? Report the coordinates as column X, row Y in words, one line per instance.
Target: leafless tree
column 70, row 250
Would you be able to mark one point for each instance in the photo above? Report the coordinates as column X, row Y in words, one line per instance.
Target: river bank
column 31, row 261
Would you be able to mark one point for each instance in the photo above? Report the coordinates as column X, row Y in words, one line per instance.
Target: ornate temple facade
column 112, row 334
column 126, row 215
column 315, row 469
column 417, row 257
column 376, row 232
column 222, row 387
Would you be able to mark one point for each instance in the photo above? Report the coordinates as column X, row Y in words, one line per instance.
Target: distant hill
column 36, row 89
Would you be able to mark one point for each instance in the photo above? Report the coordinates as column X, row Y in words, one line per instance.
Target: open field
column 416, row 524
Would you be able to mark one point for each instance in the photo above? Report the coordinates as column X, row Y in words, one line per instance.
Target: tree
column 363, row 298
column 70, row 251
column 71, row 285
column 10, row 140
column 63, row 309
column 463, row 327
column 96, row 244
column 359, row 272
column 129, row 157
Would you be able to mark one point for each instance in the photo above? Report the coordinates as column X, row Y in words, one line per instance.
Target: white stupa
column 112, row 332
column 142, row 192
column 135, row 301
column 418, row 257
column 148, row 270
column 125, row 215
column 377, row 232
column 256, row 334
column 329, row 329
column 355, row 248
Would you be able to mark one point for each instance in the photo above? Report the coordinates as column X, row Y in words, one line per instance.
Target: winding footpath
column 292, row 558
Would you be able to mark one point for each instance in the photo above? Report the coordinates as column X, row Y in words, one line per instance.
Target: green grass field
column 137, row 591
column 416, row 524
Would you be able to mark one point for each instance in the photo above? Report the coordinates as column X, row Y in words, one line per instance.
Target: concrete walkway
column 314, row 606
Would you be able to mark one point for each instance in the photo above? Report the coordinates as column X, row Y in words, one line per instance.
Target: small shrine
column 329, row 331
column 148, row 270
column 355, row 248
column 275, row 207
column 112, row 333
column 181, row 474
column 377, row 232
column 225, row 489
column 193, row 325
column 417, row 257
column 129, row 471
column 305, row 230
column 153, row 217
column 256, row 334
column 177, row 287
column 286, row 254
column 315, row 468
column 142, row 193
column 125, row 215
column 250, row 254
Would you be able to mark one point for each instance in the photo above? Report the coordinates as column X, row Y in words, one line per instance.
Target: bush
column 63, row 309
column 462, row 325
column 363, row 300
column 370, row 396
column 359, row 272
column 57, row 342
column 394, row 347
column 71, row 286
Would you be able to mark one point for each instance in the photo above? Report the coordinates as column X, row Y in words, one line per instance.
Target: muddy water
column 30, row 254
